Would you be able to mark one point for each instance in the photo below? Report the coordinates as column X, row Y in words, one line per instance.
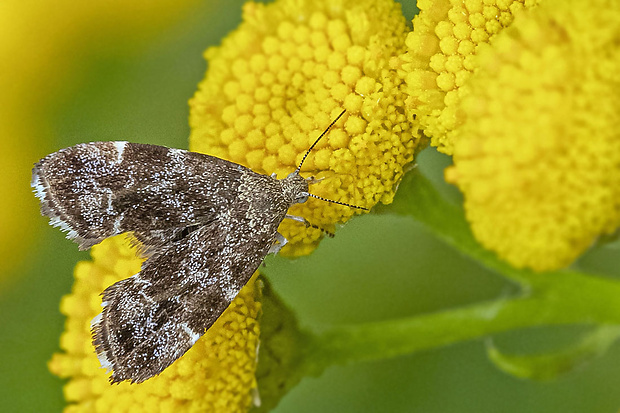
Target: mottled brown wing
column 151, row 319
column 96, row 190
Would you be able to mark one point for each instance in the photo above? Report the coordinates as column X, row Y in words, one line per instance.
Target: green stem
column 552, row 298
column 580, row 300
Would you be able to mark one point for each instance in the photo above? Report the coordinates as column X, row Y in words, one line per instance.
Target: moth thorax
column 294, row 188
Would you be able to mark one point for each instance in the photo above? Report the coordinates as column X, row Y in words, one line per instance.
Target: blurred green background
column 119, row 70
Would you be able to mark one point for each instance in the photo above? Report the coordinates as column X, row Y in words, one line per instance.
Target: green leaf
column 550, row 366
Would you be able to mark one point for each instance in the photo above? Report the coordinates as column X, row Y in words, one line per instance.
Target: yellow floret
column 538, row 155
column 446, row 37
column 215, row 375
column 276, row 83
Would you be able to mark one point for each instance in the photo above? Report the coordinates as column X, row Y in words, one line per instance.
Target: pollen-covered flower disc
column 288, row 70
column 538, row 156
column 216, row 375
column 441, row 56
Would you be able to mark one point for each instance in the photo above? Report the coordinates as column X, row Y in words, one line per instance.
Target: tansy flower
column 278, row 80
column 538, row 154
column 440, row 57
column 216, row 375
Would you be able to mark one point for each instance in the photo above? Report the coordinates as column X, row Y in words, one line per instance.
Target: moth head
column 295, row 188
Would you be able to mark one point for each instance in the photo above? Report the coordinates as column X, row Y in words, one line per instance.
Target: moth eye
column 302, row 199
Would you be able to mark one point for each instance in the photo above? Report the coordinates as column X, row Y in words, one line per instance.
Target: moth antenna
column 337, row 202
column 308, row 153
column 318, row 139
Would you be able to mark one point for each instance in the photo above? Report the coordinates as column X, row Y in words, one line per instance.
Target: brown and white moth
column 205, row 224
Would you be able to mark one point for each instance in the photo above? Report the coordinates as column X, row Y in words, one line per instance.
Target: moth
column 205, row 225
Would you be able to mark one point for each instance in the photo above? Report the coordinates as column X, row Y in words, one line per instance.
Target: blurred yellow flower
column 215, row 375
column 278, row 80
column 18, row 212
column 538, row 154
column 440, row 57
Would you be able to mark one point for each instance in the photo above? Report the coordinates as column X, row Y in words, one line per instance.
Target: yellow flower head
column 440, row 57
column 278, row 80
column 215, row 375
column 538, row 155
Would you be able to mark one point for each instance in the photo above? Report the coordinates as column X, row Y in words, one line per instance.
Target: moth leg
column 312, row 180
column 274, row 175
column 308, row 224
column 298, row 219
column 278, row 243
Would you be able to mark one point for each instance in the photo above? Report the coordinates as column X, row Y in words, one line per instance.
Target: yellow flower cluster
column 440, row 57
column 538, row 154
column 278, row 80
column 216, row 375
